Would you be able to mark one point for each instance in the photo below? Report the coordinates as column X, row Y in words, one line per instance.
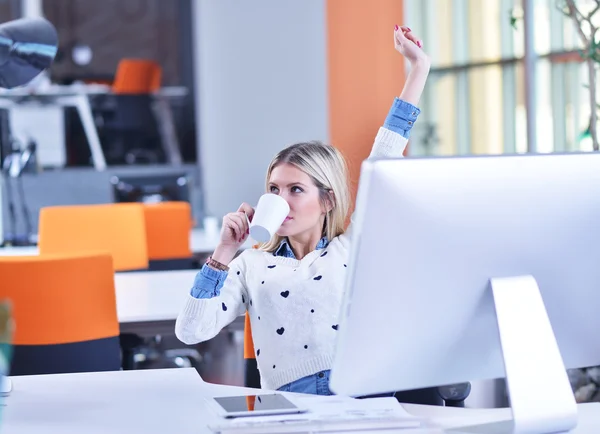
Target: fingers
column 411, row 37
column 247, row 209
column 241, row 223
column 236, row 222
column 404, row 33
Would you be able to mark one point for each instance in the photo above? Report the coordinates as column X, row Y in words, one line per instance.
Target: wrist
column 224, row 254
column 423, row 64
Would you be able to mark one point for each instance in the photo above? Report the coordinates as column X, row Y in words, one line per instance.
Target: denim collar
column 285, row 249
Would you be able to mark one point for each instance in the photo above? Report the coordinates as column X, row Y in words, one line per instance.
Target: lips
column 288, row 219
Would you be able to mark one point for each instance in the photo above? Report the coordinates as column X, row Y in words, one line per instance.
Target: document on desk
column 339, row 414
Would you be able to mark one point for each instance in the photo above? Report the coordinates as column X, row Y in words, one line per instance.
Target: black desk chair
column 129, row 127
column 449, row 396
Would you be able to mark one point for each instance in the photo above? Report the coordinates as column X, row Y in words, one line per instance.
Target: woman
column 292, row 286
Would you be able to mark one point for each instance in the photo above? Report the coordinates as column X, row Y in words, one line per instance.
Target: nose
column 286, row 196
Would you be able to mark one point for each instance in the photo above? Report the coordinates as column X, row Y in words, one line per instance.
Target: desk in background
column 148, row 302
column 78, row 96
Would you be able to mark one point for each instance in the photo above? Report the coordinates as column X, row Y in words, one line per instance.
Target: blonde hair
column 327, row 168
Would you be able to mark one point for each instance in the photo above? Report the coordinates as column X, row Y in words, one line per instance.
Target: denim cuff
column 401, row 117
column 208, row 282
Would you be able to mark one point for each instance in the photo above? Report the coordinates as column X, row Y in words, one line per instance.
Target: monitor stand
column 540, row 393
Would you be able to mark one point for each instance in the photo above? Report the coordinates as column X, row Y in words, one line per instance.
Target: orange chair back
column 248, row 342
column 60, row 299
column 137, row 76
column 118, row 229
column 168, row 226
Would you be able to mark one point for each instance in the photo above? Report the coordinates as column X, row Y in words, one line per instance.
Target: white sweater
column 294, row 305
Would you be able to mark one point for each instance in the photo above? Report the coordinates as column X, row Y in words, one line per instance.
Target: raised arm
column 412, row 49
column 392, row 137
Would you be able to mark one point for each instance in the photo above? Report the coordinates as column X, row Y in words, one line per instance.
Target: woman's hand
column 234, row 232
column 410, row 46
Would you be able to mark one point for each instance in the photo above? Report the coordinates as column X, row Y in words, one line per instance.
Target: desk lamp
column 27, row 48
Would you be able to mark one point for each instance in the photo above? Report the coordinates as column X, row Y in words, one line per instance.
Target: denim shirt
column 208, row 282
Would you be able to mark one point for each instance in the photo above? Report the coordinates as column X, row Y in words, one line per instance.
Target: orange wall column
column 365, row 73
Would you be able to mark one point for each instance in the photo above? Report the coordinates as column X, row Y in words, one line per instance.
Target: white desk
column 200, row 242
column 78, row 96
column 152, row 295
column 170, row 401
column 148, row 302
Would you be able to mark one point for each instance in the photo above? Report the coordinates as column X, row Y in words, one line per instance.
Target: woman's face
column 297, row 188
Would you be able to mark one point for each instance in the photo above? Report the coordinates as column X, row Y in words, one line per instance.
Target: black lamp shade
column 27, row 47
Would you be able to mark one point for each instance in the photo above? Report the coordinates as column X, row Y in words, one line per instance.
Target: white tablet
column 254, row 405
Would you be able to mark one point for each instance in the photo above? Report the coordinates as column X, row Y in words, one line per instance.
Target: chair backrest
column 168, row 226
column 118, row 229
column 137, row 76
column 252, row 374
column 65, row 313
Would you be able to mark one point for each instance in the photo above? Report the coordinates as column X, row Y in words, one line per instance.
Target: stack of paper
column 335, row 414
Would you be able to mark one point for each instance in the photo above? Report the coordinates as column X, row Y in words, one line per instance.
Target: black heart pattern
column 271, row 266
column 243, row 299
column 324, row 253
column 335, row 327
column 238, row 273
column 318, row 278
column 257, row 352
column 223, row 306
column 285, row 294
column 280, row 331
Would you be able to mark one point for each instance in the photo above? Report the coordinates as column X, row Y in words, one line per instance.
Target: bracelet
column 216, row 264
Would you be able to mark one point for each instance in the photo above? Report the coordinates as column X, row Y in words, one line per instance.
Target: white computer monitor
column 429, row 237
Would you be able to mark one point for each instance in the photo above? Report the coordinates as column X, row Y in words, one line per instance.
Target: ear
column 329, row 201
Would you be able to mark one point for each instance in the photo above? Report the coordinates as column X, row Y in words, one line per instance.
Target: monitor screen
column 151, row 188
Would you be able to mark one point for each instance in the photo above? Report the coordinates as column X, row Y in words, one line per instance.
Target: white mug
column 269, row 214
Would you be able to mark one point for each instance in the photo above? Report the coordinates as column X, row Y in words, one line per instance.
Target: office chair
column 118, row 229
column 168, row 226
column 129, row 121
column 65, row 313
column 251, row 374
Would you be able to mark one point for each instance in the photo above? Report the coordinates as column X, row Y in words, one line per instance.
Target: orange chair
column 168, row 226
column 118, row 229
column 252, row 375
column 137, row 76
column 64, row 311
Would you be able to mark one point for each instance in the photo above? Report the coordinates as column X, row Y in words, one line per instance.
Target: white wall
column 261, row 76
